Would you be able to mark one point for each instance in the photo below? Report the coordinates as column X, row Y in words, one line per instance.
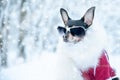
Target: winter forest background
column 28, row 27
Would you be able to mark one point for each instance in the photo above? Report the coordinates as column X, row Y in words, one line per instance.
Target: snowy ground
column 37, row 25
column 46, row 68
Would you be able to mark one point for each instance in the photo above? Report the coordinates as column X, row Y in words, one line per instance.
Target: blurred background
column 28, row 27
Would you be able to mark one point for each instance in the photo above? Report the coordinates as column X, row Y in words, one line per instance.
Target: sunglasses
column 75, row 31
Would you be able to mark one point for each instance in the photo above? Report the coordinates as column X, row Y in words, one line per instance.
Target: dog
column 84, row 44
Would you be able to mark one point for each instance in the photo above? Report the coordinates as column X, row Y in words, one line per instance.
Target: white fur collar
column 86, row 53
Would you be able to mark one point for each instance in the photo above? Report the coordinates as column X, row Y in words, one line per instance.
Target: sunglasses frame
column 68, row 29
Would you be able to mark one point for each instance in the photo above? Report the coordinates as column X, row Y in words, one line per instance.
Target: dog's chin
column 65, row 40
column 71, row 41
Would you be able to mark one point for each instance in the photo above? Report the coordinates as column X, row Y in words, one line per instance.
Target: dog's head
column 75, row 30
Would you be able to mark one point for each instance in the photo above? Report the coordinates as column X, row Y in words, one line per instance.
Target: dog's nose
column 65, row 38
column 66, row 35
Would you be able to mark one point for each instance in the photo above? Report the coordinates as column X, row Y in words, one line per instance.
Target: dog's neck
column 85, row 53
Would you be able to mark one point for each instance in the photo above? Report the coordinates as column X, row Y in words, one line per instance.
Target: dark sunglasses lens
column 77, row 31
column 61, row 29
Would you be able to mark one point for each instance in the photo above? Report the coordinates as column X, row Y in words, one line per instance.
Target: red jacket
column 102, row 71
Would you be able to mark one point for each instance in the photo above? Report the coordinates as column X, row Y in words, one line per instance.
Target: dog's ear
column 64, row 15
column 89, row 15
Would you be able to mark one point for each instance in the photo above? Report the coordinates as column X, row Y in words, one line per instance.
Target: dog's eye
column 61, row 30
column 77, row 31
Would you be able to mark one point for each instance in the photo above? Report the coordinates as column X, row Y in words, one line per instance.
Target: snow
column 37, row 26
column 47, row 67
